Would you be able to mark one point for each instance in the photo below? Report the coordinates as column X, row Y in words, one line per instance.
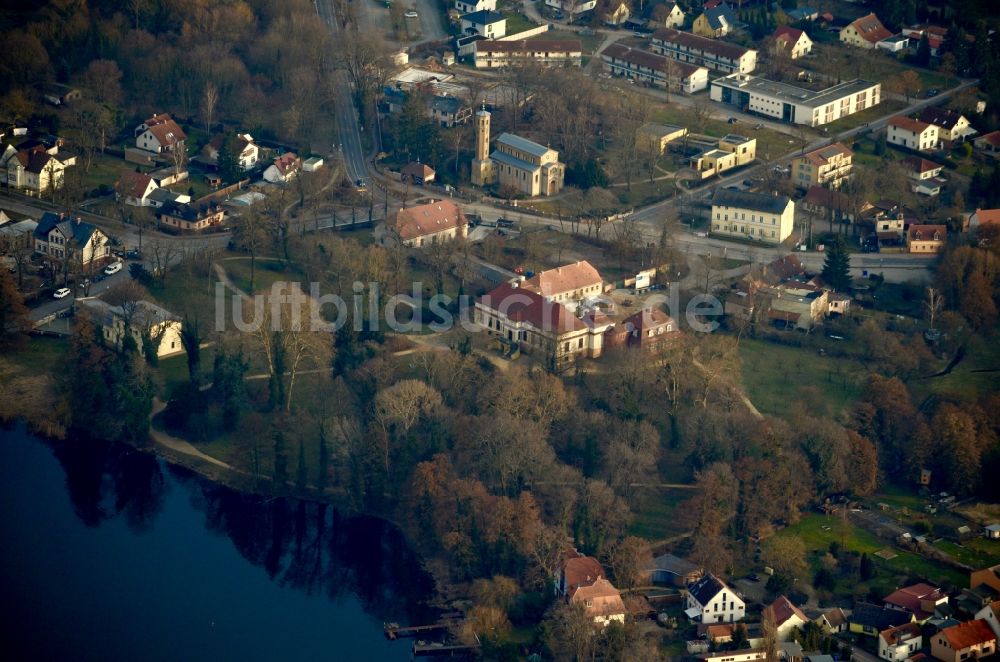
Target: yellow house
column 653, row 138
column 926, row 239
column 716, row 22
column 864, row 32
column 732, row 151
column 756, row 216
column 827, row 166
column 618, row 14
column 675, row 17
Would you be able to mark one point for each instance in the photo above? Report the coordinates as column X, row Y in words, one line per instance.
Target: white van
column 113, row 268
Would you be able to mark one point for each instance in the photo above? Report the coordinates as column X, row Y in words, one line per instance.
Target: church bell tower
column 482, row 165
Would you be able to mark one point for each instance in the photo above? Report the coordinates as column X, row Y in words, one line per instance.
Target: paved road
column 55, row 305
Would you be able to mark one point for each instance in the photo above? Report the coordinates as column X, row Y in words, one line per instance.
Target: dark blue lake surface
column 107, row 553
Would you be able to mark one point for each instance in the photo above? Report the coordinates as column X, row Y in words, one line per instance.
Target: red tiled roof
column 870, row 28
column 520, row 304
column 134, row 184
column 165, row 129
column 649, row 319
column 530, row 46
column 984, row 216
column 286, row 163
column 993, row 138
column 581, row 571
column 566, row 278
column 434, row 217
column 697, row 42
column 900, row 633
column 649, row 60
column 791, row 35
column 924, row 233
column 821, row 155
column 420, row 170
column 920, row 165
column 782, row 608
column 968, row 634
column 908, row 124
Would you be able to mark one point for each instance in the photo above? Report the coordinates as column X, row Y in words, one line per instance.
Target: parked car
column 733, row 120
column 933, row 92
column 360, row 186
column 113, row 268
column 133, row 254
column 410, row 14
column 61, row 293
column 506, row 223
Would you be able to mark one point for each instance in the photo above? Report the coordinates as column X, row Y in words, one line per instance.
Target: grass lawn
column 267, row 272
column 42, row 354
column 517, row 22
column 977, row 552
column 589, row 43
column 964, row 383
column 898, row 497
column 886, row 107
column 105, row 171
column 776, row 375
column 770, row 144
column 818, row 531
column 658, row 517
column 187, row 293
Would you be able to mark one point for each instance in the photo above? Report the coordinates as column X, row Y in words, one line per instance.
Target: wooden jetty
column 394, row 631
column 422, row 649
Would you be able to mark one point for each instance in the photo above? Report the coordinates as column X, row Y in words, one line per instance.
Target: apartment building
column 653, row 69
column 796, row 105
column 702, row 51
column 490, row 54
column 828, row 166
column 756, row 216
column 731, row 152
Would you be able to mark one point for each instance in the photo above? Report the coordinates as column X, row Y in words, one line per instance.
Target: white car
column 410, row 14
column 112, row 268
column 61, row 293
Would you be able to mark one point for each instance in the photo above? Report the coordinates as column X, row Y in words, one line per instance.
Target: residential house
column 703, row 52
column 870, row 620
column 522, row 317
column 486, row 23
column 142, row 319
column 787, row 617
column 162, row 196
column 791, row 42
column 716, row 633
column 992, row 531
column 33, row 166
column 952, row 126
column 991, row 615
column 970, row 640
column 935, row 37
column 427, row 224
column 988, row 142
column 893, row 44
column 790, row 103
column 134, row 188
column 185, row 217
column 802, row 14
column 912, row 134
column 63, row 238
column 824, row 201
column 674, row 17
column 449, row 111
column 601, row 601
column 490, row 54
column 673, row 570
column 283, row 169
column 710, row 600
column 246, row 150
column 925, row 176
column 417, row 173
column 982, row 217
column 755, row 216
column 312, row 164
column 828, row 166
column 864, row 32
column 517, row 162
column 572, row 7
column 617, row 14
column 796, row 304
column 159, row 134
column 900, row 643
column 569, row 285
column 653, row 69
column 472, row 6
column 832, row 621
column 988, row 576
column 650, row 330
column 16, row 235
column 926, row 239
column 715, row 22
column 652, row 138
column 58, row 94
column 732, row 151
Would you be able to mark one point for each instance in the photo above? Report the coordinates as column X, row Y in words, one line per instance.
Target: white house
column 34, row 168
column 248, row 151
column 675, row 16
column 135, row 188
column 951, row 125
column 489, row 24
column 570, row 6
column 709, row 600
column 158, row 134
column 787, row 617
column 142, row 317
column 912, row 134
column 791, row 42
column 470, row 6
column 284, row 169
column 900, row 643
column 893, row 44
column 991, row 614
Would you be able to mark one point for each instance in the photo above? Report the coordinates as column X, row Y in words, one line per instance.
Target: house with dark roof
column 449, row 111
column 33, row 166
column 970, row 640
column 62, row 238
column 756, row 216
column 823, row 201
column 869, row 619
column 709, row 600
column 952, row 125
column 703, row 51
column 489, row 24
column 670, row 569
column 716, row 22
column 652, row 69
column 649, row 330
column 184, row 217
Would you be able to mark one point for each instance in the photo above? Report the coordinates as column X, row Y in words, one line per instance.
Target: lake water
column 107, row 553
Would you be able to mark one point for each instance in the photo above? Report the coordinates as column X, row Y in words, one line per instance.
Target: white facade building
column 709, row 600
column 796, row 105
